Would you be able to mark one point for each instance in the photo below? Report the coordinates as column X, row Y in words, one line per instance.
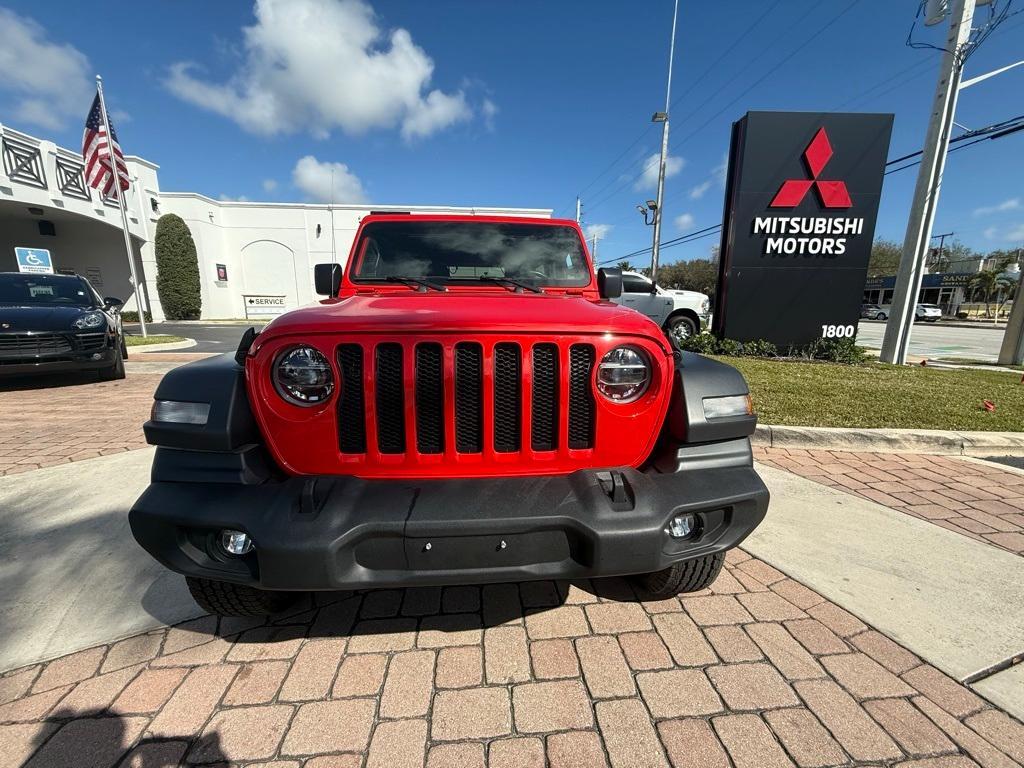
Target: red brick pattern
column 756, row 671
column 80, row 419
column 983, row 502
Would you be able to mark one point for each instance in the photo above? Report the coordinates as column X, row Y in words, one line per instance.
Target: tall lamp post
column 662, row 117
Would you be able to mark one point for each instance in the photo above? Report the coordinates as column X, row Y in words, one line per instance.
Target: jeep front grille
column 428, row 397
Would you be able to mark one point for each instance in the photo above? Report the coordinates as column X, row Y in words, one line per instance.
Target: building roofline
column 357, row 207
column 142, row 161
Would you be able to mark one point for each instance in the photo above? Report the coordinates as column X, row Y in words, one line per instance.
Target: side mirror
column 110, row 302
column 609, row 282
column 327, row 279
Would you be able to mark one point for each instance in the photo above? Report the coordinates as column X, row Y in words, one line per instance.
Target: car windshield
column 452, row 252
column 51, row 290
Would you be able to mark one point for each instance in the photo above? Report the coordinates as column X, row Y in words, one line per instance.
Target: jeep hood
column 465, row 312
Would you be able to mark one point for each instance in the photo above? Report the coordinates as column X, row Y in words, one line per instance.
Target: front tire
column 689, row 576
column 881, row 316
column 226, row 599
column 680, row 327
column 116, row 371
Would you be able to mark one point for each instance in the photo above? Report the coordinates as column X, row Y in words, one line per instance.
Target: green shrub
column 177, row 277
column 833, row 350
column 133, row 317
column 730, row 348
column 759, row 348
column 702, row 343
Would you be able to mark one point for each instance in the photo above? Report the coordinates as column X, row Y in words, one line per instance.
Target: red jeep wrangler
column 466, row 406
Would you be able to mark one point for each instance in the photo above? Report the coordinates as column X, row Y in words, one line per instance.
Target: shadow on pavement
column 47, row 381
column 97, row 739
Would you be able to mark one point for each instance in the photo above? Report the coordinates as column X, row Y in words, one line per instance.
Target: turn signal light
column 724, row 407
column 178, row 412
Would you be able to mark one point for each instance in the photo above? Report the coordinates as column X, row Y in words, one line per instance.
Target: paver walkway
column 759, row 671
column 976, row 500
column 71, row 419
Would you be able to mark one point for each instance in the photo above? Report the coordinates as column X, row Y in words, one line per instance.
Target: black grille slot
column 544, row 402
column 469, row 398
column 429, row 398
column 34, row 344
column 390, row 403
column 581, row 397
column 351, row 411
column 90, row 342
column 507, row 393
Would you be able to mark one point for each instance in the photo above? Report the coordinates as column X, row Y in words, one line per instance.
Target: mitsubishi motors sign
column 801, row 202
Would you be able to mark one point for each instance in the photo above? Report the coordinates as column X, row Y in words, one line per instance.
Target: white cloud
column 314, row 179
column 49, row 81
column 600, row 231
column 1012, row 233
column 649, row 171
column 1012, row 204
column 489, row 110
column 698, row 191
column 269, row 185
column 684, row 221
column 721, row 171
column 320, row 65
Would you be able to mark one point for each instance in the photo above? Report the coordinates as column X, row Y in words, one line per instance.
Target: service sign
column 35, row 261
column 264, row 306
column 801, row 203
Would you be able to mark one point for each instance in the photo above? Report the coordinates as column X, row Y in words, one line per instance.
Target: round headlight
column 623, row 374
column 90, row 320
column 303, row 376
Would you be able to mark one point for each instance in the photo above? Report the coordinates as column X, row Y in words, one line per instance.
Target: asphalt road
column 212, row 337
column 934, row 340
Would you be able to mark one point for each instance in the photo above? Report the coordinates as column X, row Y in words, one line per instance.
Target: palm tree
column 991, row 283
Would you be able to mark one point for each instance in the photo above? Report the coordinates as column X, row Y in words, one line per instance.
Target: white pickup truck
column 679, row 313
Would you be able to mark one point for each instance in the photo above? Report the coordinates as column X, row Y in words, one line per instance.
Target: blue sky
column 486, row 103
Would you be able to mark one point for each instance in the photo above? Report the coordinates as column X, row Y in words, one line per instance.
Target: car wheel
column 689, row 576
column 124, row 349
column 679, row 328
column 116, row 371
column 226, row 599
column 881, row 316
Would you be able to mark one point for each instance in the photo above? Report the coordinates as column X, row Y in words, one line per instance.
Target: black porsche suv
column 57, row 323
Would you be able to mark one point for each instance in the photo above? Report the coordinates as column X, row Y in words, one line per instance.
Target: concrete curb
column 890, row 440
column 170, row 345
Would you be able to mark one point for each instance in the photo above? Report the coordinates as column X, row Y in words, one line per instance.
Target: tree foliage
column 177, row 278
column 885, row 258
column 696, row 275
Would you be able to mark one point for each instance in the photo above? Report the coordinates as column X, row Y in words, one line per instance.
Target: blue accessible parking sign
column 34, row 260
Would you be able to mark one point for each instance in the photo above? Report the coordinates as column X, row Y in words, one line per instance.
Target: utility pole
column 579, row 209
column 1012, row 350
column 593, row 250
column 662, row 117
column 929, row 182
column 942, row 242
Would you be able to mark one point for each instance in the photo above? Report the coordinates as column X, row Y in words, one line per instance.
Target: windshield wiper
column 516, row 285
column 419, row 283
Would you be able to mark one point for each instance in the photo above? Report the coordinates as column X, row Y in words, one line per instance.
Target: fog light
column 682, row 526
column 235, row 542
column 97, row 356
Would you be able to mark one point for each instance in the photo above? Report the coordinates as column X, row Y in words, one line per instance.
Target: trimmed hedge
column 832, row 350
column 177, row 265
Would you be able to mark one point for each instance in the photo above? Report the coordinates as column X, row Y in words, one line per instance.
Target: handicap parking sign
column 34, row 260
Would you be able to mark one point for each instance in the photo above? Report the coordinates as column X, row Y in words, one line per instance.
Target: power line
column 757, row 82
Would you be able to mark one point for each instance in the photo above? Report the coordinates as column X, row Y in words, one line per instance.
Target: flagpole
column 121, row 206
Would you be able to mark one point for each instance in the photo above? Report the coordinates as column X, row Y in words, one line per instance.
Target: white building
column 266, row 251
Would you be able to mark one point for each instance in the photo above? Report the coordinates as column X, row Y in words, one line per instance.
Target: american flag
column 96, row 152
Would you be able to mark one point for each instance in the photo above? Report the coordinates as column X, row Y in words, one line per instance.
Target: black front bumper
column 70, row 352
column 330, row 533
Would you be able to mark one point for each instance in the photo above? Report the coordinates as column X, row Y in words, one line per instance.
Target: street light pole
column 656, row 246
column 929, row 181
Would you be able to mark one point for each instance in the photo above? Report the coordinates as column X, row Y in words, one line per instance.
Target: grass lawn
column 877, row 395
column 139, row 341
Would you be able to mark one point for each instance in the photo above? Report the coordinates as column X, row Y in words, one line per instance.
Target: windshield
column 454, row 252
column 51, row 290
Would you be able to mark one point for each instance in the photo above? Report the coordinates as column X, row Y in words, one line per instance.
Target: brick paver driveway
column 985, row 502
column 757, row 672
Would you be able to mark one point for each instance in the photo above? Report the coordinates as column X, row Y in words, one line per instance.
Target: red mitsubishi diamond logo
column 832, row 194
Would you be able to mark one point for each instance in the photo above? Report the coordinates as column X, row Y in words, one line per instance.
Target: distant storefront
column 946, row 290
